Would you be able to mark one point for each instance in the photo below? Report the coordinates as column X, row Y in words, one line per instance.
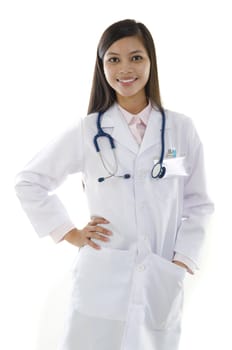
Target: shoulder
column 90, row 117
column 183, row 125
column 112, row 109
column 177, row 118
column 90, row 120
column 181, row 121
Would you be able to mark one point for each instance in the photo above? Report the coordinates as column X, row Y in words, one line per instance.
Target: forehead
column 126, row 45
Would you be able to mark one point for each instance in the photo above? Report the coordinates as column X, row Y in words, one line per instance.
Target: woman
column 143, row 175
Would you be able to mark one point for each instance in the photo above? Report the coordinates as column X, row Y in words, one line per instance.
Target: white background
column 46, row 64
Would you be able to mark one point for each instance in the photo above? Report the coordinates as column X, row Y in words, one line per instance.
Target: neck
column 133, row 105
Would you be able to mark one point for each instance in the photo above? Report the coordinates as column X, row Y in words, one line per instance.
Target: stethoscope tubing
column 162, row 137
column 102, row 133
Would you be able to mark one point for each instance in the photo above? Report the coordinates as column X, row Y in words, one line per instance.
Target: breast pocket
column 163, row 293
column 168, row 188
column 102, row 281
column 175, row 167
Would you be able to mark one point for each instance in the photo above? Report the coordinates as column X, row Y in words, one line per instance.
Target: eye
column 113, row 59
column 136, row 58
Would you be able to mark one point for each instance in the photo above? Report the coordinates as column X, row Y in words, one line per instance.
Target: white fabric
column 154, row 321
column 59, row 232
column 188, row 262
column 137, row 125
column 131, row 280
column 93, row 332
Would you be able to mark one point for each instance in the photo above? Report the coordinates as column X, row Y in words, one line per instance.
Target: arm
column 197, row 206
column 43, row 174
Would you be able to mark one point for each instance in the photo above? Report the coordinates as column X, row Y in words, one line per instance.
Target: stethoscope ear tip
column 101, row 179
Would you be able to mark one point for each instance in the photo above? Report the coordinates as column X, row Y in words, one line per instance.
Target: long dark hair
column 102, row 96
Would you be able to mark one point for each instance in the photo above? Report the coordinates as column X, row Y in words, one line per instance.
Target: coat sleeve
column 197, row 206
column 43, row 174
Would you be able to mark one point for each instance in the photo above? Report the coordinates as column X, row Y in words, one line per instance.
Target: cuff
column 60, row 231
column 184, row 259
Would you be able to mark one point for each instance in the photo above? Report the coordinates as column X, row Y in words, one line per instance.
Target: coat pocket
column 163, row 293
column 175, row 167
column 102, row 280
column 169, row 189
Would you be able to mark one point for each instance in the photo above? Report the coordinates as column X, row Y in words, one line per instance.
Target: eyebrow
column 130, row 53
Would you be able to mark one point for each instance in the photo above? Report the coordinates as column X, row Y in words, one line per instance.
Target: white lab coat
column 128, row 295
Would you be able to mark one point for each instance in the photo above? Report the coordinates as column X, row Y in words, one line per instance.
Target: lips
column 126, row 81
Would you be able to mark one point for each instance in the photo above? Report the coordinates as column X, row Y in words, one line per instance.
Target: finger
column 95, row 235
column 100, row 229
column 98, row 220
column 93, row 244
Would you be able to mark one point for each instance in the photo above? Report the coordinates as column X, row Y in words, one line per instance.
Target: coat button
column 141, row 268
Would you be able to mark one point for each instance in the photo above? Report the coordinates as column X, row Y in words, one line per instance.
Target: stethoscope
column 158, row 171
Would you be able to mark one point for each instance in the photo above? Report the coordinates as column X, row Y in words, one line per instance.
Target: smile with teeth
column 126, row 81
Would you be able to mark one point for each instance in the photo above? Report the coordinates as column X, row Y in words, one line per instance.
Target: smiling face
column 127, row 68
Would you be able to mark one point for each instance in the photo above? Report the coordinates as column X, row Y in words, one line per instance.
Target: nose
column 125, row 67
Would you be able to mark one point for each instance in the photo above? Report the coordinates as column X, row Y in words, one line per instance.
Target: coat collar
column 119, row 130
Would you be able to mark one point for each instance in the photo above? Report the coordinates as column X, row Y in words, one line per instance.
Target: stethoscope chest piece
column 158, row 171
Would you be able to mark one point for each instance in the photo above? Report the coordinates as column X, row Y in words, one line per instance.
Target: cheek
column 146, row 72
column 108, row 74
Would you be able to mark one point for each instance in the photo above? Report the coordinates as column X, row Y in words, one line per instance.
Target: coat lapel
column 114, row 124
column 152, row 134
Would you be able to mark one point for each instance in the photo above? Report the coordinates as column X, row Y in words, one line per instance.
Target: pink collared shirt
column 137, row 122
